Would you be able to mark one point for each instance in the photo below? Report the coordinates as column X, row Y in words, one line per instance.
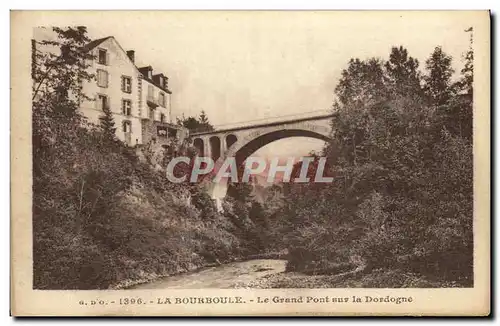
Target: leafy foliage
column 194, row 124
column 438, row 85
column 466, row 81
column 107, row 123
column 402, row 195
column 402, row 75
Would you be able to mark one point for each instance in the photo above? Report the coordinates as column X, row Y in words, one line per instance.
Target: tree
column 190, row 123
column 403, row 77
column 108, row 123
column 200, row 124
column 459, row 120
column 467, row 72
column 58, row 72
column 438, row 85
column 361, row 83
column 203, row 118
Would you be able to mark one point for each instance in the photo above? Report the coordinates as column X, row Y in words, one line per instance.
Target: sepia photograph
column 250, row 162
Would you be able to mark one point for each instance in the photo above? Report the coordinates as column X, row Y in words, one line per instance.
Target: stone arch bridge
column 240, row 141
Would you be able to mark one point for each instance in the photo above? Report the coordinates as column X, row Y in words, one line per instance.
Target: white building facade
column 139, row 100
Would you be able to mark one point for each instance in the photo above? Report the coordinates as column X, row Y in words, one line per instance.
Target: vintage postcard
column 250, row 163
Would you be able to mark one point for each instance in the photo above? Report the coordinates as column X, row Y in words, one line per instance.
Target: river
column 231, row 275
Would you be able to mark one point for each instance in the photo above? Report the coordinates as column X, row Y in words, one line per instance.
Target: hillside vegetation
column 401, row 202
column 105, row 215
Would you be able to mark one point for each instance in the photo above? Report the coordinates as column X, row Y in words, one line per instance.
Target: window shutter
column 123, row 84
column 102, row 78
column 127, row 126
column 107, row 58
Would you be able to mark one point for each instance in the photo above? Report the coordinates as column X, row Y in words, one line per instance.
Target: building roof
column 152, row 80
column 95, row 43
column 156, row 84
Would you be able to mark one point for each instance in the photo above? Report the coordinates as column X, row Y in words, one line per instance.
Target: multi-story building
column 140, row 101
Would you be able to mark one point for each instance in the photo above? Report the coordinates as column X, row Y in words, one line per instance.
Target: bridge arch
column 244, row 148
column 230, row 140
column 199, row 145
column 215, row 147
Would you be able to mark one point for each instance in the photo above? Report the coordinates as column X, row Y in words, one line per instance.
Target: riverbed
column 231, row 275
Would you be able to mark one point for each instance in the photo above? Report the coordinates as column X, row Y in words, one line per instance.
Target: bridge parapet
column 264, row 121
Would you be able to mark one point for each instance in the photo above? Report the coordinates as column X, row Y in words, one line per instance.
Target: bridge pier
column 207, row 150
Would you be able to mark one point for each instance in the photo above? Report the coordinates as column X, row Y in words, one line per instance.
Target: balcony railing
column 152, row 101
column 165, row 129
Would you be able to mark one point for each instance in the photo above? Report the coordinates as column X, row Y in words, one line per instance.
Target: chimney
column 131, row 55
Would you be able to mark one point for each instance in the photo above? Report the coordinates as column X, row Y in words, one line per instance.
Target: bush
column 402, row 194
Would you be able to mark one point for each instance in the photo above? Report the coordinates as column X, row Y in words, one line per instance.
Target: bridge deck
column 264, row 123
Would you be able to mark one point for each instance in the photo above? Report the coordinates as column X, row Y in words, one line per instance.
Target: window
column 151, row 113
column 102, row 102
column 172, row 133
column 126, row 84
column 102, row 57
column 150, row 91
column 162, row 99
column 127, row 107
column 162, row 117
column 127, row 127
column 102, row 78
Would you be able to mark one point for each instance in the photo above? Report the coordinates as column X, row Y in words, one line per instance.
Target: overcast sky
column 240, row 66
